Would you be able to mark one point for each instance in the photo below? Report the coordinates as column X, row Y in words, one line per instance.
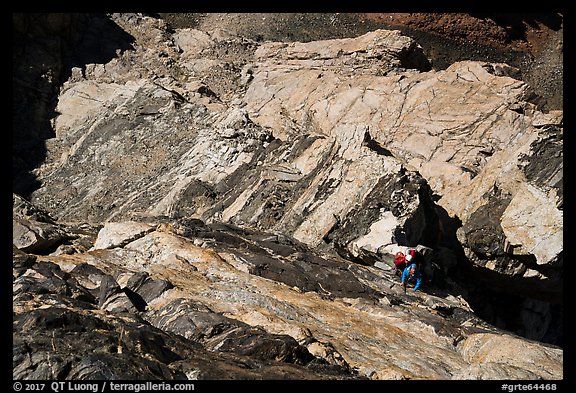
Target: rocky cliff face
column 215, row 207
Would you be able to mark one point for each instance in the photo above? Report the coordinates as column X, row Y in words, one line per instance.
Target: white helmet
column 408, row 257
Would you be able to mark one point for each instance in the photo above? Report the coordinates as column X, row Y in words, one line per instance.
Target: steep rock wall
column 345, row 145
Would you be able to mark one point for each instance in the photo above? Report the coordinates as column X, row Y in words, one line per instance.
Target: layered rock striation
column 189, row 300
column 210, row 199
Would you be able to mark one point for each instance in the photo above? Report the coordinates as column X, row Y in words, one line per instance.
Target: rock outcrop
column 239, row 203
column 202, row 301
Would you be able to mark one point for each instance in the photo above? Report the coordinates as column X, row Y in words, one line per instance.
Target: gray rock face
column 223, row 296
column 242, row 202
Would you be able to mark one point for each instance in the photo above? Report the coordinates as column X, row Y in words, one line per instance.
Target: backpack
column 400, row 260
